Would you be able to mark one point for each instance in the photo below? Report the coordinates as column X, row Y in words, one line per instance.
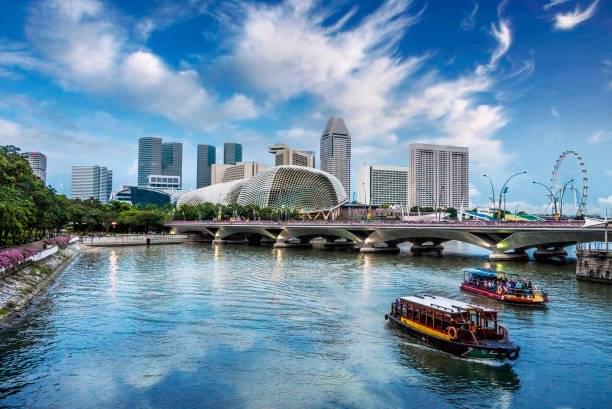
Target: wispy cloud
column 554, row 3
column 469, row 22
column 554, row 112
column 599, row 136
column 605, row 201
column 609, row 172
column 569, row 20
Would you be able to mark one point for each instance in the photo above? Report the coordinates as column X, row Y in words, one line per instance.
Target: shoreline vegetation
column 21, row 288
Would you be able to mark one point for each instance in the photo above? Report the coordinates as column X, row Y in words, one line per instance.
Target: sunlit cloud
column 570, row 20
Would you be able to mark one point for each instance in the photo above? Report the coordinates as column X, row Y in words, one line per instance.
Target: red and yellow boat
column 505, row 287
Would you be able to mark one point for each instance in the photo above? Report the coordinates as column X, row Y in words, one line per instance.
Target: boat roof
column 444, row 304
column 483, row 272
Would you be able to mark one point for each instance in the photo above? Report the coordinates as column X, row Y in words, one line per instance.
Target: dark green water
column 236, row 326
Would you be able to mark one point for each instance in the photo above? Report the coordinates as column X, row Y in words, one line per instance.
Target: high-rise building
column 227, row 173
column 439, row 176
column 383, row 185
column 336, row 152
column 149, row 158
column 91, row 182
column 164, row 182
column 207, row 156
column 232, row 153
column 283, row 155
column 172, row 159
column 38, row 163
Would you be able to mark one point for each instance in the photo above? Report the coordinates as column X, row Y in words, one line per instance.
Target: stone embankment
column 594, row 262
column 19, row 289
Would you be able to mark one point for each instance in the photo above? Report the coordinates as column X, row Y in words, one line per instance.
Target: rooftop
column 444, row 304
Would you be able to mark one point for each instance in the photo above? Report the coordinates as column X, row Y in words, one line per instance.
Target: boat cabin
column 469, row 322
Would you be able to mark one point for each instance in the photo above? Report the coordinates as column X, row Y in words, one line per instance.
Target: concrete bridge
column 505, row 240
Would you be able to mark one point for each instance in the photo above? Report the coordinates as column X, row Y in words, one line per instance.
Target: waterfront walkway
column 134, row 240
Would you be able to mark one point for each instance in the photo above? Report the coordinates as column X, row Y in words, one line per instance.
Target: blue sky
column 518, row 82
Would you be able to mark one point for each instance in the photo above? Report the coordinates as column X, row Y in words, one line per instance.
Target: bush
column 13, row 257
column 59, row 241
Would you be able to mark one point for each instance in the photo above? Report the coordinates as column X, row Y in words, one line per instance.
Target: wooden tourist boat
column 462, row 329
column 504, row 287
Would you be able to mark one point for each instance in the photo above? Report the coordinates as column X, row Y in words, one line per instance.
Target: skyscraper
column 91, row 182
column 283, row 155
column 379, row 185
column 207, row 156
column 221, row 173
column 439, row 176
column 149, row 158
column 232, row 153
column 38, row 163
column 172, row 159
column 336, row 152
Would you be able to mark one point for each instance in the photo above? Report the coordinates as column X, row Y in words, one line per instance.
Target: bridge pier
column 370, row 248
column 543, row 253
column 515, row 255
column 419, row 248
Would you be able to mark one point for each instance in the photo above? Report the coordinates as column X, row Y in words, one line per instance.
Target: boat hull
column 463, row 350
column 505, row 298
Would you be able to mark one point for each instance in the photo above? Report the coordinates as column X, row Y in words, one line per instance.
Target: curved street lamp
column 562, row 196
column 553, row 199
column 492, row 193
column 505, row 184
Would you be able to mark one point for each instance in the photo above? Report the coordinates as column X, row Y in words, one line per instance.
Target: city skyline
column 493, row 81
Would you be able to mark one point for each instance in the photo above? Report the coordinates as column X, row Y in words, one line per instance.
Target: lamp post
column 553, row 199
column 563, row 195
column 506, row 183
column 492, row 194
column 114, row 223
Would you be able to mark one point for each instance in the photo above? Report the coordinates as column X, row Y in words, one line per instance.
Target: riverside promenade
column 134, row 240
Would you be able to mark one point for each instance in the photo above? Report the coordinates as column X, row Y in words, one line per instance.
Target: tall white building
column 38, row 163
column 284, row 155
column 336, row 152
column 439, row 176
column 221, row 173
column 91, row 182
column 378, row 185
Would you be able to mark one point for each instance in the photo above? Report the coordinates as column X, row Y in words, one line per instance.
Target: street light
column 553, row 199
column 505, row 184
column 492, row 193
column 114, row 223
column 563, row 195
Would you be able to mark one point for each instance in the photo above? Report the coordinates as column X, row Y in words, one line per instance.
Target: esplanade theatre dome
column 296, row 187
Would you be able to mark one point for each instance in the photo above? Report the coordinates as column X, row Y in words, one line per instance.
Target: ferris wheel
column 581, row 197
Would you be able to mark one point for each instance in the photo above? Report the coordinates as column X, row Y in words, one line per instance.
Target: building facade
column 283, row 155
column 38, row 163
column 227, row 173
column 156, row 157
column 383, row 185
column 164, row 182
column 439, row 176
column 91, row 182
column 232, row 153
column 149, row 158
column 336, row 151
column 172, row 159
column 207, row 156
column 294, row 187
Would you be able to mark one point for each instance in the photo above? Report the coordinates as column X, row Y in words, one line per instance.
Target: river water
column 238, row 326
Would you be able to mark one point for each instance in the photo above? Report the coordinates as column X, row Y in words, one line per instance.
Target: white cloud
column 605, row 201
column 568, row 21
column 286, row 51
column 599, row 136
column 85, row 48
column 469, row 22
column 554, row 3
column 609, row 172
column 299, row 134
column 554, row 112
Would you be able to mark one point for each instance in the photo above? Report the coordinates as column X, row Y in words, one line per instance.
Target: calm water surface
column 237, row 326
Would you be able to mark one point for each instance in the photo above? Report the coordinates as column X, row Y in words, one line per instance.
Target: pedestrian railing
column 595, row 246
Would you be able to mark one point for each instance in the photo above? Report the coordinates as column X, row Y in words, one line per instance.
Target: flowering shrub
column 12, row 257
column 60, row 241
